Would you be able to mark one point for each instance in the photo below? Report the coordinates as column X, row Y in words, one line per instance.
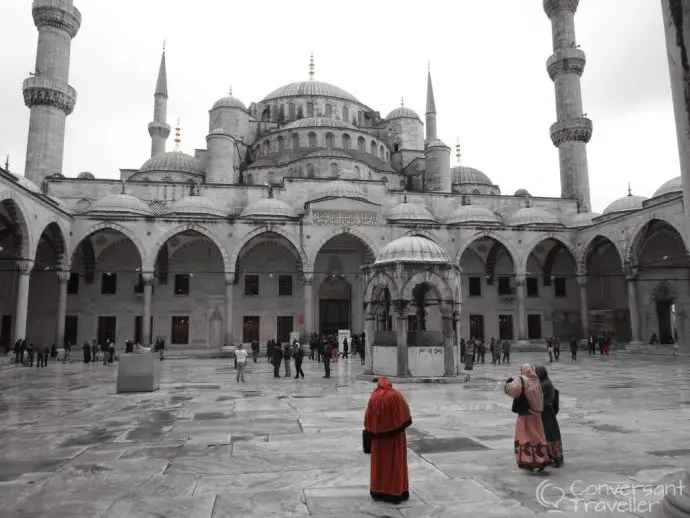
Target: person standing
column 607, row 347
column 469, row 355
column 269, row 350
column 506, row 351
column 345, row 348
column 549, row 349
column 87, row 352
column 556, row 348
column 552, row 431
column 298, row 355
column 277, row 358
column 255, row 350
column 39, row 355
column 573, row 349
column 386, row 418
column 481, row 352
column 287, row 356
column 241, row 359
column 327, row 354
column 320, row 347
column 94, row 350
column 602, row 341
column 361, row 348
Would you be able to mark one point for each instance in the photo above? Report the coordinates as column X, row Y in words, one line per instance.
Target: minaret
column 431, row 133
column 47, row 92
column 159, row 129
column 572, row 131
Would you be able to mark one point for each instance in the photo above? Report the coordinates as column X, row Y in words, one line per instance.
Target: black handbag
column 556, row 403
column 520, row 403
column 366, row 442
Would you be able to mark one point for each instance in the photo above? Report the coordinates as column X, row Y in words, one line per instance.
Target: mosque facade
column 308, row 211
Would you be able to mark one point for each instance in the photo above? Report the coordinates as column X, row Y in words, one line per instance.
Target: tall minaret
column 47, row 92
column 573, row 129
column 159, row 129
column 430, row 110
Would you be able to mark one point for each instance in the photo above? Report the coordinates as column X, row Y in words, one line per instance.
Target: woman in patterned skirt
column 548, row 417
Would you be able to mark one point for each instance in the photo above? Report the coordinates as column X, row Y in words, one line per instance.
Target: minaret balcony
column 60, row 14
column 554, row 7
column 159, row 129
column 566, row 61
column 40, row 90
column 572, row 130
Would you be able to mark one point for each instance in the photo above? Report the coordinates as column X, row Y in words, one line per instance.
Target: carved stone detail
column 566, row 61
column 344, row 218
column 401, row 307
column 230, row 278
column 554, row 7
column 61, row 16
column 24, row 267
column 147, row 278
column 51, row 92
column 582, row 280
column 159, row 129
column 572, row 130
column 520, row 280
column 630, row 271
column 63, row 277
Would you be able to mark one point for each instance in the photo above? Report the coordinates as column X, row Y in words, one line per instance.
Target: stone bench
column 138, row 373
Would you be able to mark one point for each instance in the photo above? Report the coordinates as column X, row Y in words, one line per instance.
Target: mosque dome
column 170, row 162
column 473, row 215
column 402, row 112
column 121, row 204
column 310, row 88
column 412, row 249
column 410, row 212
column 229, row 102
column 468, row 175
column 672, row 185
column 522, row 192
column 625, row 204
column 532, row 216
column 338, row 189
column 269, row 208
column 27, row 184
column 583, row 219
column 86, row 176
column 197, row 206
column 319, row 122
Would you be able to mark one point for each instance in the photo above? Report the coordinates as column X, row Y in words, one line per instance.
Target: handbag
column 520, row 403
column 366, row 442
column 556, row 403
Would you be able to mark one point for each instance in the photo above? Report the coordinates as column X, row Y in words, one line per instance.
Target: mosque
column 308, row 211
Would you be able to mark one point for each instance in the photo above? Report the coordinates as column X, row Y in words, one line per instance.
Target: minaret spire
column 177, row 136
column 311, row 67
column 629, row 190
column 458, row 154
column 162, row 82
column 430, row 109
column 159, row 130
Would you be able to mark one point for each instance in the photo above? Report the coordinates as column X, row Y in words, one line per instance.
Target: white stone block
column 138, row 373
column 385, row 361
column 426, row 361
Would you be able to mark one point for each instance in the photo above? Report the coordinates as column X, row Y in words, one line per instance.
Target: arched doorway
column 335, row 307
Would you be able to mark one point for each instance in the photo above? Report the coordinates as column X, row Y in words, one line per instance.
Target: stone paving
column 204, row 446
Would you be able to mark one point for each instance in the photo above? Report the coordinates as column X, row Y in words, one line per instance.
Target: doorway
column 663, row 313
column 284, row 327
column 334, row 305
column 6, row 331
column 71, row 330
column 106, row 330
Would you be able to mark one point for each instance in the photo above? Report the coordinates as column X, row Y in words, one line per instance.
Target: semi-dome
column 269, row 208
column 196, row 206
column 583, row 219
column 410, row 213
column 468, row 175
column 319, row 122
column 121, row 204
column 310, row 88
column 229, row 102
column 625, row 204
column 412, row 249
column 522, row 192
column 473, row 215
column 86, row 176
column 672, row 185
column 402, row 112
column 338, row 189
column 532, row 216
column 170, row 162
column 27, row 184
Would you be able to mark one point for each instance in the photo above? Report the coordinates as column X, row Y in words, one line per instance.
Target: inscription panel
column 344, row 218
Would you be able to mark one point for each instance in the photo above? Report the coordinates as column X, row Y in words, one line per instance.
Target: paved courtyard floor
column 203, row 446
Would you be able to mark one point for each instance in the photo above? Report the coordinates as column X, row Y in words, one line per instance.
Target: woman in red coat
column 386, row 418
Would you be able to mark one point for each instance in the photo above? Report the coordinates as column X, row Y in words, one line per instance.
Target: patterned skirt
column 553, row 435
column 531, row 449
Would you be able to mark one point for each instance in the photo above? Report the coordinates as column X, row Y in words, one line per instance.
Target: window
column 310, row 170
column 559, row 287
column 373, row 148
column 251, row 285
column 533, row 327
column 250, row 329
column 412, row 323
column 346, row 142
column 295, row 141
column 267, row 147
column 73, row 284
column 250, row 179
column 477, row 327
column 312, row 139
column 532, row 287
column 346, row 114
column 504, row 287
column 106, row 330
column 334, row 170
column 361, row 144
column 71, row 329
column 475, row 286
column 291, row 111
column 109, row 284
column 381, row 152
column 505, row 327
column 310, row 109
column 281, row 113
column 182, row 284
column 179, row 332
column 329, row 110
column 330, row 140
column 358, row 173
column 285, row 285
column 281, row 143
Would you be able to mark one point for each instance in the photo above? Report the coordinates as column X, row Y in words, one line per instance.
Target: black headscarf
column 541, row 373
column 547, row 387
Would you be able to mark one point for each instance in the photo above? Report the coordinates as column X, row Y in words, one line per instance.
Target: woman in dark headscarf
column 548, row 417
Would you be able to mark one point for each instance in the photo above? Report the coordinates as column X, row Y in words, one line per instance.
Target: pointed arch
column 374, row 285
column 592, row 244
column 162, row 240
column 264, row 229
column 438, row 283
column 109, row 225
column 426, row 234
column 372, row 249
column 497, row 238
column 638, row 234
column 57, row 236
column 560, row 245
column 19, row 214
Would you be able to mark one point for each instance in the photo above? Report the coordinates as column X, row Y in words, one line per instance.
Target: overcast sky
column 487, row 61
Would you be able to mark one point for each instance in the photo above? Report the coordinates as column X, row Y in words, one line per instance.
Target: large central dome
column 306, row 88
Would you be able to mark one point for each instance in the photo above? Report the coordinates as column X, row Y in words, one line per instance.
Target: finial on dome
column 7, row 163
column 428, row 63
column 177, row 136
column 311, row 67
column 164, row 43
column 629, row 190
column 458, row 154
column 402, row 101
column 230, row 91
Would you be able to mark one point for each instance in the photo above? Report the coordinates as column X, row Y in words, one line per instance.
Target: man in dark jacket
column 327, row 353
column 277, row 358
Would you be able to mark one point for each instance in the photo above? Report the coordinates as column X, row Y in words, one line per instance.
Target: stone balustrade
column 57, row 13
column 40, row 90
column 566, row 61
column 578, row 129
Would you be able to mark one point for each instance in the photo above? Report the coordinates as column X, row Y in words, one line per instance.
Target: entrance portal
column 335, row 304
column 663, row 313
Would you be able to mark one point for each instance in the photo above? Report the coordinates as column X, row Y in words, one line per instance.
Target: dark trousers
column 17, row 357
column 319, row 354
column 481, row 356
column 312, row 353
column 556, row 354
column 298, row 368
column 31, row 359
column 573, row 354
column 327, row 366
column 276, row 369
column 39, row 360
column 506, row 357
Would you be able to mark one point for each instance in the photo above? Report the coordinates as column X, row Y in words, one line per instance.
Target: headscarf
column 546, row 385
column 533, row 390
column 387, row 409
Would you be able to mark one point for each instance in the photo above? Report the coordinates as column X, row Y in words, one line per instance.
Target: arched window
column 281, row 113
column 257, row 150
column 359, row 118
column 291, row 111
column 190, row 186
column 310, row 170
column 300, row 112
column 310, row 109
column 346, row 114
column 250, row 179
column 312, row 139
column 476, row 191
column 385, row 180
column 266, row 115
column 388, row 156
column 334, row 170
column 329, row 110
column 295, row 141
column 373, row 148
column 267, row 147
column 281, row 143
column 358, row 173
column 346, row 142
column 330, row 140
column 361, row 145
column 382, row 153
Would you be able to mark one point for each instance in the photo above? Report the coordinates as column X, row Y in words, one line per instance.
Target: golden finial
column 629, row 190
column 177, row 136
column 311, row 67
column 7, row 163
column 458, row 154
column 164, row 43
column 428, row 64
column 230, row 91
column 402, row 101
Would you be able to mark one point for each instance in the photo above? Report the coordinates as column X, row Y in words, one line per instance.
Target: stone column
column 631, row 277
column 584, row 305
column 308, row 306
column 458, row 351
column 63, row 279
column 229, row 288
column 369, row 332
column 401, row 329
column 448, row 349
column 146, row 318
column 521, row 314
column 24, row 270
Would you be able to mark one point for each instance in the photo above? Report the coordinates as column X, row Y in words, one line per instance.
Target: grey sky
column 487, row 61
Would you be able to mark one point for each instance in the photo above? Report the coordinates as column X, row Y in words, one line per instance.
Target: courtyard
column 204, row 446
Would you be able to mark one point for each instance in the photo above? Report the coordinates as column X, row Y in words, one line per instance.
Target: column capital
column 401, row 307
column 24, row 266
column 630, row 273
column 147, row 278
column 582, row 280
column 63, row 277
column 230, row 278
column 520, row 279
column 554, row 7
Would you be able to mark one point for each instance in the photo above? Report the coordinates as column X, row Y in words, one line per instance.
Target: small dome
column 121, row 204
column 583, row 219
column 672, row 185
column 229, row 102
column 468, row 175
column 402, row 112
column 269, row 208
column 338, row 189
column 473, row 215
column 27, row 184
column 625, row 204
column 522, row 192
column 170, row 162
column 86, row 176
column 532, row 216
column 310, row 88
column 410, row 212
column 319, row 122
column 412, row 249
column 196, row 205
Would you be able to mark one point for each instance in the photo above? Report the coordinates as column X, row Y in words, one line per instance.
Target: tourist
column 287, row 356
column 87, row 352
column 255, row 350
column 602, row 341
column 345, row 348
column 607, row 347
column 386, row 418
column 361, row 348
column 327, row 355
column 241, row 359
column 94, row 350
column 298, row 355
column 320, row 347
column 277, row 358
column 469, row 355
column 269, row 350
column 549, row 349
column 481, row 351
column 506, row 351
column 573, row 349
column 552, row 431
column 556, row 348
column 39, row 355
column 590, row 344
column 463, row 350
column 30, row 351
column 530, row 441
column 335, row 351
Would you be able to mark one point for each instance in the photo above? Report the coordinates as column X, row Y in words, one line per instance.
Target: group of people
column 474, row 351
column 25, row 352
column 603, row 343
column 91, row 351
